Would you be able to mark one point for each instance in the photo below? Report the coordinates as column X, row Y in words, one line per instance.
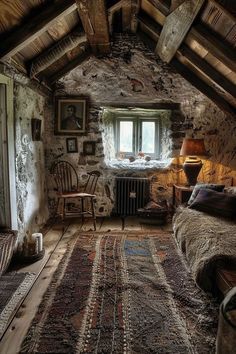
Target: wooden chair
column 67, row 183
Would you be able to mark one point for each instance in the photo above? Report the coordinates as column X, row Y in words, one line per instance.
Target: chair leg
column 82, row 210
column 93, row 213
column 57, row 207
column 64, row 209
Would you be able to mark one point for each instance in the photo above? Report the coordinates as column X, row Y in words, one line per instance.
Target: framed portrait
column 89, row 147
column 71, row 115
column 71, row 145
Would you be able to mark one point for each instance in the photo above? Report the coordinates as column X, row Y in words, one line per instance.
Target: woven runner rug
column 13, row 288
column 123, row 293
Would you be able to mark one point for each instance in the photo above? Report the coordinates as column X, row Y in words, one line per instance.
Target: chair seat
column 76, row 195
column 66, row 180
column 69, row 194
column 84, row 195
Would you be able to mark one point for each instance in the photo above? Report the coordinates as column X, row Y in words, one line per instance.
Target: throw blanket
column 209, row 243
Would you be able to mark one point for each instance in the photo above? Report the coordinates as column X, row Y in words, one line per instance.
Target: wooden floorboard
column 132, row 223
column 111, row 224
column 11, row 341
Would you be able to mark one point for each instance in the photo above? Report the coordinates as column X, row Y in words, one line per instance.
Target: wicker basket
column 7, row 243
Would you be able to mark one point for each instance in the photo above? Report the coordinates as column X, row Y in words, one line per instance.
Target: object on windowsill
column 121, row 155
column 147, row 158
column 141, row 155
column 131, row 158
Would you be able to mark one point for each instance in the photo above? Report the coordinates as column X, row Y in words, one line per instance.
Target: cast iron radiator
column 131, row 194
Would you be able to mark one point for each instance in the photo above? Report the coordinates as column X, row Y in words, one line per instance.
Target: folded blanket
column 209, row 243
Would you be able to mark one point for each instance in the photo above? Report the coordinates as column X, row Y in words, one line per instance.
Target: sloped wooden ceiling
column 45, row 39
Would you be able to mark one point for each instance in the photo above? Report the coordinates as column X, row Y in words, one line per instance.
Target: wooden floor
column 56, row 237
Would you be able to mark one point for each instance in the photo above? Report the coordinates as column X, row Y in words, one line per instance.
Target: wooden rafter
column 52, row 54
column 202, row 36
column 94, row 19
column 175, row 28
column 26, row 33
column 70, row 66
column 175, row 4
column 213, row 75
column 216, row 47
column 130, row 9
column 154, row 30
column 204, row 88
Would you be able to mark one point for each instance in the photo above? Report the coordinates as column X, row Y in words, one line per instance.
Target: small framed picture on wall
column 89, row 147
column 71, row 115
column 71, row 145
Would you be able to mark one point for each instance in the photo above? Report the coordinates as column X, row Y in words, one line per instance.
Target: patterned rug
column 13, row 288
column 123, row 293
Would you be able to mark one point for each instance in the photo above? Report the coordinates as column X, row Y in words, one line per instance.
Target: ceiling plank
column 200, row 34
column 53, row 53
column 94, row 19
column 26, row 33
column 154, row 31
column 208, row 70
column 175, row 28
column 70, row 66
column 216, row 47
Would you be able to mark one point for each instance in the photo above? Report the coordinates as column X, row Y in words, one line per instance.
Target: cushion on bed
column 215, row 203
column 199, row 186
column 230, row 190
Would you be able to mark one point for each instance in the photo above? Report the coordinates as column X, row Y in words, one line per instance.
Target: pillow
column 230, row 190
column 215, row 203
column 196, row 189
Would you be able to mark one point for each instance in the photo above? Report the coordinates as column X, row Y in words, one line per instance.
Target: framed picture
column 71, row 115
column 89, row 147
column 71, row 145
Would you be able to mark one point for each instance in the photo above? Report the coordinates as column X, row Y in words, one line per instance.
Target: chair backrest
column 65, row 177
column 91, row 182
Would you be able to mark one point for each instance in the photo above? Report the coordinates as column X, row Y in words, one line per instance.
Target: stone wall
column 132, row 76
column 30, row 162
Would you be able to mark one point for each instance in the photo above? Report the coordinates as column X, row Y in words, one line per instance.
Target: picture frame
column 89, row 147
column 71, row 115
column 71, row 145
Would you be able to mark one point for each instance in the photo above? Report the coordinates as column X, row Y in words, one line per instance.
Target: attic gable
column 47, row 39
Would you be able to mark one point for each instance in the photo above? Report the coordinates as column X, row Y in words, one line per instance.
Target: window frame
column 137, row 134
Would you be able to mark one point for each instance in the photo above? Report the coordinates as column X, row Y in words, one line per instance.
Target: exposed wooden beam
column 203, row 36
column 204, row 88
column 26, row 33
column 154, row 31
column 175, row 28
column 110, row 13
column 216, row 47
column 70, row 66
column 175, row 4
column 130, row 9
column 55, row 52
column 208, row 70
column 94, row 19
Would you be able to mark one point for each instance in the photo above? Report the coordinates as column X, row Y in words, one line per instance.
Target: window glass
column 126, row 136
column 148, row 137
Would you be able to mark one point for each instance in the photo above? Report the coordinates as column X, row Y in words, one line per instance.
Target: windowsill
column 138, row 164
